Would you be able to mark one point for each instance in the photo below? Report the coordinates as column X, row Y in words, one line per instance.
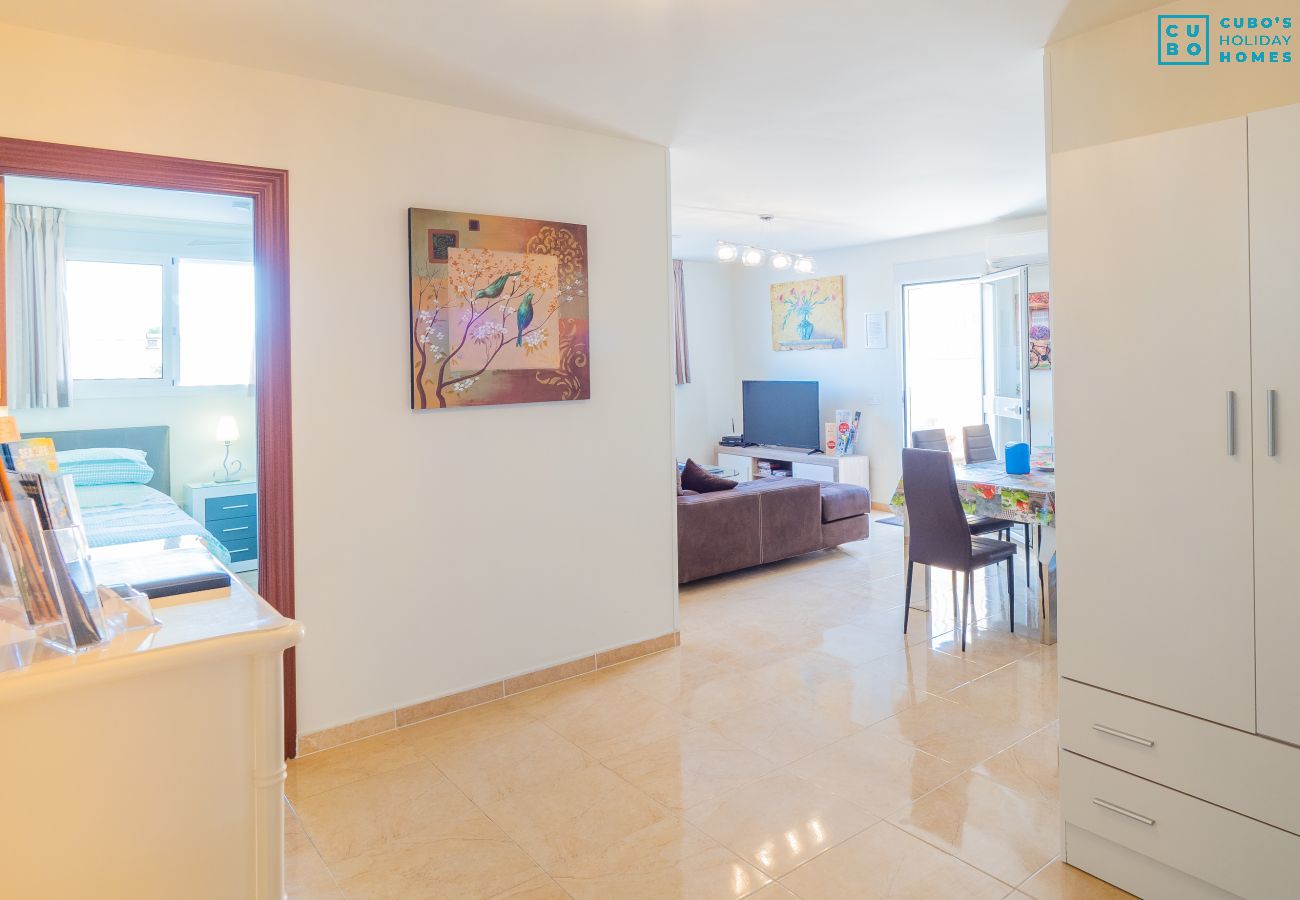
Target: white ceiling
column 124, row 200
column 849, row 120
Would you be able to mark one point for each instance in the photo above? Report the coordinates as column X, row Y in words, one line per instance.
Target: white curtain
column 36, row 306
column 683, row 366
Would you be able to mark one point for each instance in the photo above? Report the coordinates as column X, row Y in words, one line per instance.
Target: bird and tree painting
column 809, row 314
column 499, row 310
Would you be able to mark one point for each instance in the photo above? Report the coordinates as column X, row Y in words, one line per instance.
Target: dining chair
column 937, row 439
column 977, row 447
column 939, row 535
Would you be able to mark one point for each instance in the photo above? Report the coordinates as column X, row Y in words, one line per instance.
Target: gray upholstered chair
column 939, row 535
column 977, row 447
column 937, row 439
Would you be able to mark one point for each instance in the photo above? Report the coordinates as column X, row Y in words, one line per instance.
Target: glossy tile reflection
column 796, row 745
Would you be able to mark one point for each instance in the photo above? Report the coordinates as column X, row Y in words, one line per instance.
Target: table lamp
column 228, row 433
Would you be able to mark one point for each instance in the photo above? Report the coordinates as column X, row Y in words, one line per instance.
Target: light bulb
column 726, row 252
column 781, row 260
column 804, row 265
column 752, row 256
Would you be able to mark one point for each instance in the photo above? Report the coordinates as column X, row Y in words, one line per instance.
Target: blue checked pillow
column 105, row 465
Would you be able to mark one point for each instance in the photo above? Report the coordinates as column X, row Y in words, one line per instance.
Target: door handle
column 1270, row 417
column 1232, row 423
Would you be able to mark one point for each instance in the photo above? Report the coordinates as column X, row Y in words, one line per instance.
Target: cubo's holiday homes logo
column 1187, row 40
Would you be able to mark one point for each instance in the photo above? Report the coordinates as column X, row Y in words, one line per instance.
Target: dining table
column 987, row 489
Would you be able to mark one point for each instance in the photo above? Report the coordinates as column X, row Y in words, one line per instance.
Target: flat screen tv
column 782, row 414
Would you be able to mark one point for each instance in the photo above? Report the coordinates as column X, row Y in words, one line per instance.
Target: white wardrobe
column 1176, row 279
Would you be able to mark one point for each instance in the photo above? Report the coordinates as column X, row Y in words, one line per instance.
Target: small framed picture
column 877, row 337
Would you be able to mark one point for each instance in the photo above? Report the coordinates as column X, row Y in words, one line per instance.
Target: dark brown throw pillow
column 694, row 478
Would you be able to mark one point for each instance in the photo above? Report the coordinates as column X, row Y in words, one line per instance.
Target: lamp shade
column 227, row 429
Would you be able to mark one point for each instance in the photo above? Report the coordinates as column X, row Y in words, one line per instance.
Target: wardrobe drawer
column 1231, row 852
column 1252, row 775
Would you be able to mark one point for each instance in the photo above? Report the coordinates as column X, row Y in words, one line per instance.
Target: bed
column 129, row 512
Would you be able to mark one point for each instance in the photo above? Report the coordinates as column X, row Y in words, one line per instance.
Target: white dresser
column 151, row 767
column 852, row 469
column 1176, row 272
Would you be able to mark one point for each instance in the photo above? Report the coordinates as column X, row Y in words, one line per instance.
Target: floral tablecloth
column 987, row 490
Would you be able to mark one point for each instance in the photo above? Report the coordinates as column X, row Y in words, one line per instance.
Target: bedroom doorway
column 134, row 337
column 160, row 333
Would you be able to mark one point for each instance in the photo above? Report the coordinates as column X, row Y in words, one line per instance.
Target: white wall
column 438, row 550
column 705, row 408
column 854, row 377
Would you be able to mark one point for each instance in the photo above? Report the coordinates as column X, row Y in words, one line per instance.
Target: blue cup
column 1016, row 455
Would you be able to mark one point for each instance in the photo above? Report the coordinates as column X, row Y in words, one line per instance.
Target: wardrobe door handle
column 1232, row 423
column 1270, row 417
column 1123, row 735
column 1137, row 817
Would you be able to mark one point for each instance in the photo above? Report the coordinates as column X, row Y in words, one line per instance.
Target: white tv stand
column 813, row 466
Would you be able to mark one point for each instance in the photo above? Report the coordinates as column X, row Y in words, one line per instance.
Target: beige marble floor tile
column 718, row 696
column 774, row 891
column 615, row 720
column 989, row 647
column 519, row 760
column 582, row 813
column 858, row 645
column 542, row 887
column 779, row 822
column 1024, row 691
column 961, row 734
column 665, row 676
column 1060, row 881
column 876, row 772
column 885, row 862
column 923, row 669
column 306, row 877
column 668, row 859
column 454, row 868
column 1029, row 767
column 459, row 730
column 785, row 728
column 413, row 803
column 866, row 698
column 311, row 775
column 691, row 768
column 1002, row 832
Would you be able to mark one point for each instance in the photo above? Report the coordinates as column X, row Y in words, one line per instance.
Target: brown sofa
column 765, row 520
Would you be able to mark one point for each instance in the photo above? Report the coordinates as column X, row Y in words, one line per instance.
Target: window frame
column 169, row 259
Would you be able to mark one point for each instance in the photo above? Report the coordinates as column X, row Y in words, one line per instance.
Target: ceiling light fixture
column 804, row 265
column 726, row 252
column 752, row 256
column 781, row 260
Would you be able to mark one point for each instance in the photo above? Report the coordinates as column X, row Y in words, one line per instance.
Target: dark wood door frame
column 269, row 191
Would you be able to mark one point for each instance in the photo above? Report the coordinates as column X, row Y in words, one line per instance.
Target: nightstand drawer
column 227, row 530
column 241, row 549
column 235, row 507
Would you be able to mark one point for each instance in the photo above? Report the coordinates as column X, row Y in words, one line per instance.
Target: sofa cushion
column 694, row 478
column 717, row 532
column 843, row 501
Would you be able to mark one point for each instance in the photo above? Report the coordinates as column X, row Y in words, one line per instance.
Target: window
column 115, row 313
column 216, row 322
column 144, row 323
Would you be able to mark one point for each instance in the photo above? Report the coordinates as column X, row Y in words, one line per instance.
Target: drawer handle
column 240, row 528
column 1137, row 817
column 1123, row 735
column 237, row 506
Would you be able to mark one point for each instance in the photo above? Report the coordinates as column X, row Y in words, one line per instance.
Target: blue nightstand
column 229, row 511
